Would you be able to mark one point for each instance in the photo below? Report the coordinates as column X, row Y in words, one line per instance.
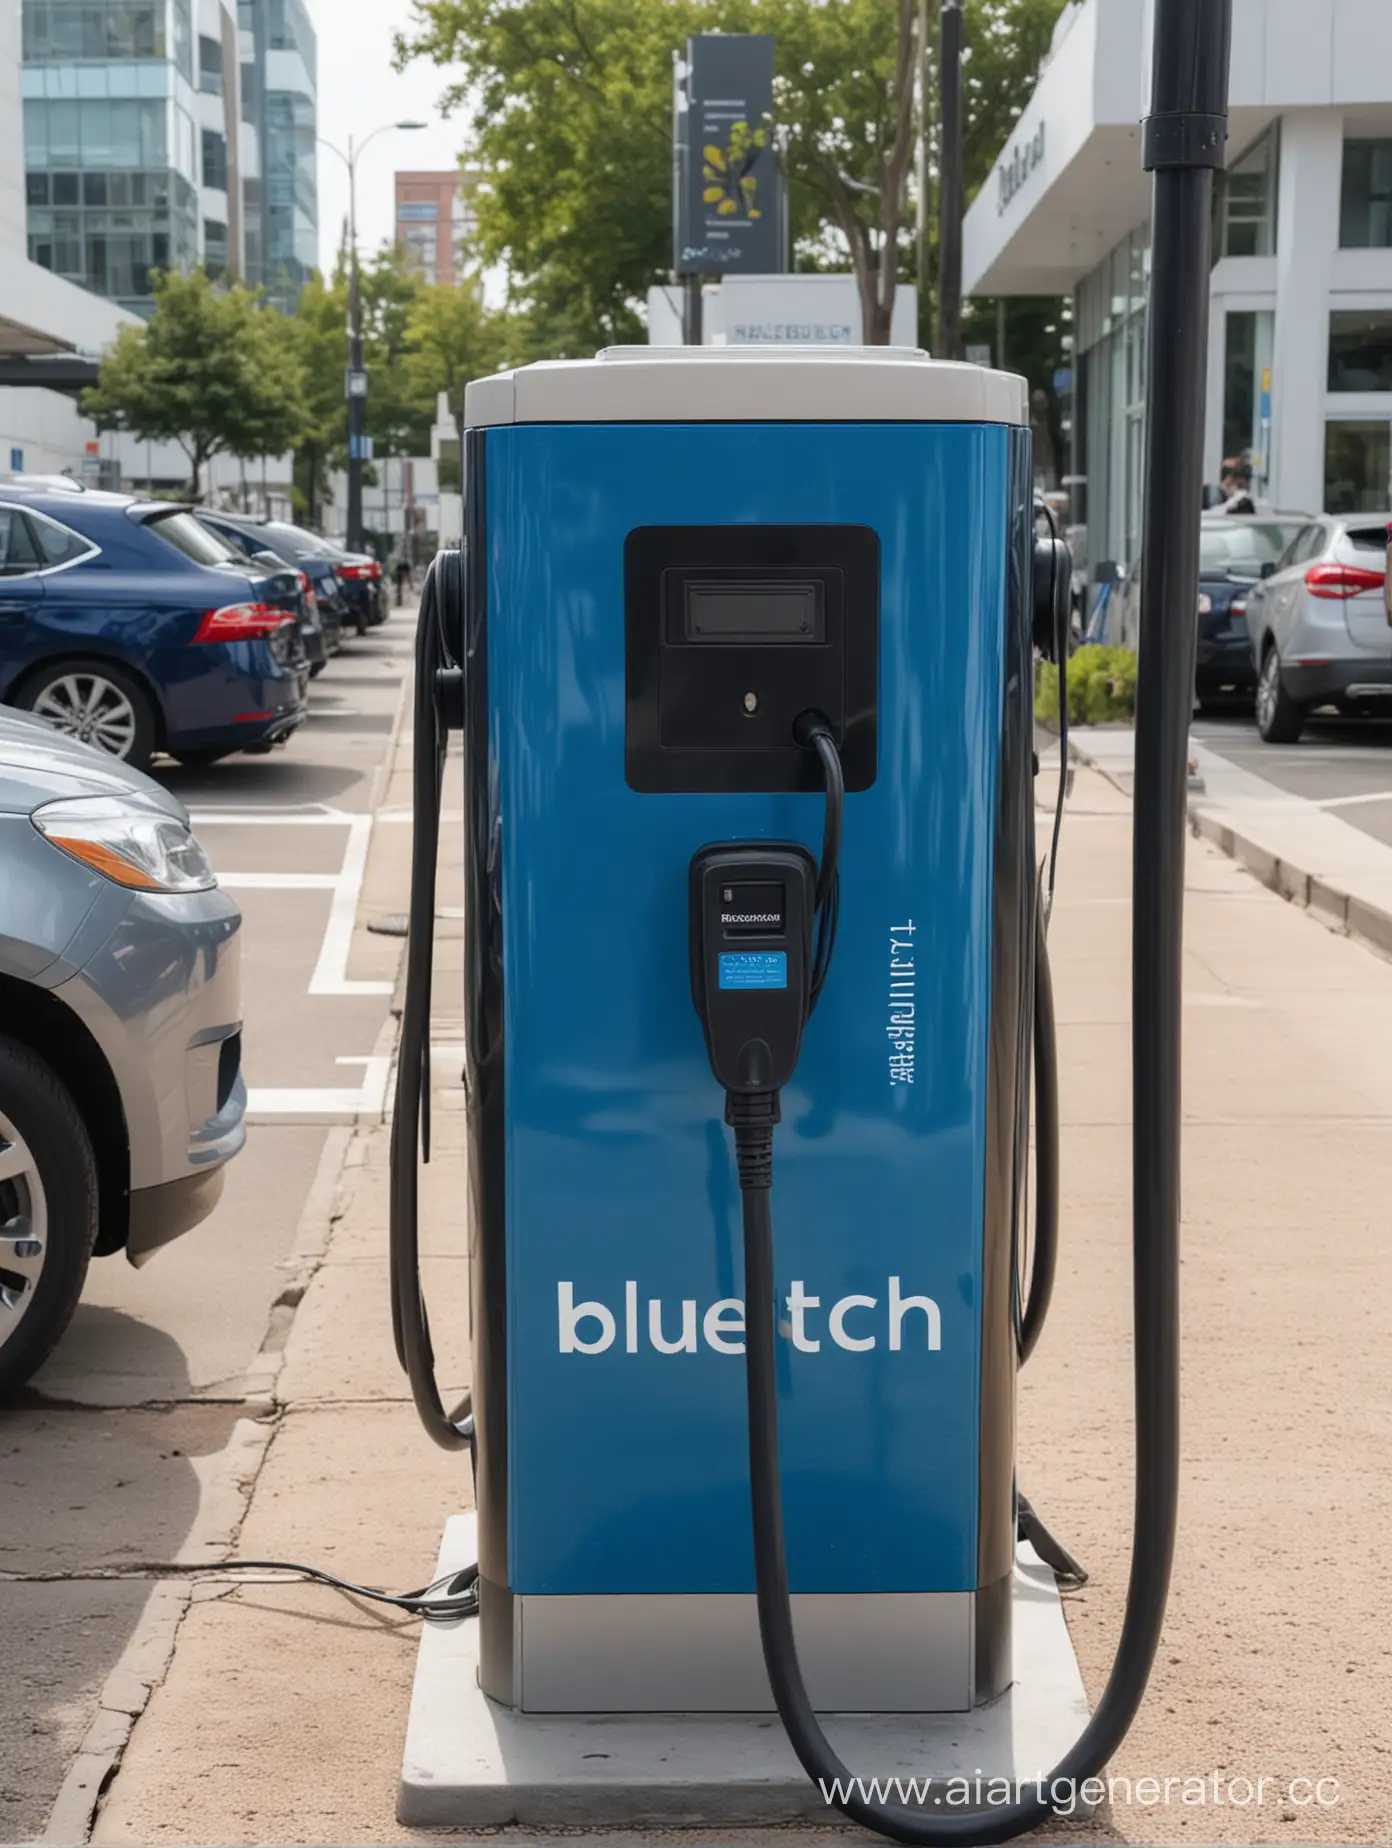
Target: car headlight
column 144, row 848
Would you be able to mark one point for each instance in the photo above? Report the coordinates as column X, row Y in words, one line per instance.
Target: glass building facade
column 281, row 206
column 131, row 131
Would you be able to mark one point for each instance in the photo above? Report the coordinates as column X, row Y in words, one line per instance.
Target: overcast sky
column 358, row 90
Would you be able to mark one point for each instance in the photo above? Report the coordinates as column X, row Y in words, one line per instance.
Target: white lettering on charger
column 902, row 1027
column 722, row 1325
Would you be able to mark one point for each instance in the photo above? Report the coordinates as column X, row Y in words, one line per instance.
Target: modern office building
column 50, row 331
column 1300, row 317
column 279, row 83
column 435, row 221
column 159, row 134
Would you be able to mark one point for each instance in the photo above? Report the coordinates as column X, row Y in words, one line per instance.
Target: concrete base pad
column 469, row 1763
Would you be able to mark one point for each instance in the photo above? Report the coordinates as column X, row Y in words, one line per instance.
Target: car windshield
column 301, row 539
column 1239, row 548
column 193, row 539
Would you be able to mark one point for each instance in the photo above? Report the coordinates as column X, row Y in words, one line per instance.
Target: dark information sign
column 728, row 205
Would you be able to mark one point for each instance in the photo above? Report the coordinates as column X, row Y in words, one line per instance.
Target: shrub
column 1101, row 686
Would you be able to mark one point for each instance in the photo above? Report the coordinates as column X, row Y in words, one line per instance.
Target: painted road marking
column 369, row 1098
column 330, row 975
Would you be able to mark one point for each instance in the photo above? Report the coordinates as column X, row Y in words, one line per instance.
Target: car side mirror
column 1268, row 568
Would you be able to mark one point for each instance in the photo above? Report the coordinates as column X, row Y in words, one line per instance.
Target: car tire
column 120, row 718
column 1280, row 719
column 48, row 1211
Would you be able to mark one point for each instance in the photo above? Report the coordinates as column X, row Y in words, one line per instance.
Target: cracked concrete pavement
column 279, row 1715
column 282, row 1714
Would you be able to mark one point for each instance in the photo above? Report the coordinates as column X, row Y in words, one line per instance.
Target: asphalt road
column 1343, row 765
column 105, row 1459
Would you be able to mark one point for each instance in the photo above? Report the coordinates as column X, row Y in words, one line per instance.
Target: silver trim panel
column 889, row 1652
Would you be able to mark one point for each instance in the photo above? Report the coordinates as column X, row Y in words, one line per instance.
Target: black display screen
column 730, row 612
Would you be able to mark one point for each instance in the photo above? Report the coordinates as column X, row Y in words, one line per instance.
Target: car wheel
column 48, row 1211
column 1280, row 719
column 96, row 702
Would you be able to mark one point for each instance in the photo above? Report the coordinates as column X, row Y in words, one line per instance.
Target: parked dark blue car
column 249, row 535
column 351, row 580
column 127, row 624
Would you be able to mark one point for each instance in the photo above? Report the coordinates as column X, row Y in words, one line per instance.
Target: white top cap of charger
column 749, row 384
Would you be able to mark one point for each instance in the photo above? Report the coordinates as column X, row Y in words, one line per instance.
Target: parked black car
column 253, row 537
column 1233, row 549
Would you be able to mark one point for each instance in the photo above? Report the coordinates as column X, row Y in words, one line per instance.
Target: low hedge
column 1101, row 686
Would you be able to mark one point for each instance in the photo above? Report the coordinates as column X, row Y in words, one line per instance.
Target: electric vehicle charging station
column 741, row 650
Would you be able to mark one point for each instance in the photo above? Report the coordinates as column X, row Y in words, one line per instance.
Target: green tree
column 571, row 111
column 211, row 370
column 399, row 416
column 452, row 337
column 319, row 329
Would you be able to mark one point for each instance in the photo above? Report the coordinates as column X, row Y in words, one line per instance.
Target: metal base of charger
column 470, row 1763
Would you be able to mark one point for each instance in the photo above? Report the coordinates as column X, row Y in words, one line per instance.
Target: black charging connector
column 752, row 906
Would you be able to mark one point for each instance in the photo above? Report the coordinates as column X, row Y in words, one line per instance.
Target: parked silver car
column 121, row 1095
column 1319, row 627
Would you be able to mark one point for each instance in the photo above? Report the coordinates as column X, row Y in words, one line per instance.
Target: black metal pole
column 1184, row 139
column 692, row 333
column 951, row 183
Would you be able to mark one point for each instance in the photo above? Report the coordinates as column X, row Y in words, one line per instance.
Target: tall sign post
column 728, row 214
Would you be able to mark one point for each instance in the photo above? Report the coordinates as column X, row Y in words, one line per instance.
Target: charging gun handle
column 436, row 705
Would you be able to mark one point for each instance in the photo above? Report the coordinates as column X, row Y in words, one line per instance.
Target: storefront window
column 1249, row 339
column 1365, row 217
column 1358, row 467
column 1360, row 350
column 1246, row 202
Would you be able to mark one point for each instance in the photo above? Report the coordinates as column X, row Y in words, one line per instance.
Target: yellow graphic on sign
column 730, row 184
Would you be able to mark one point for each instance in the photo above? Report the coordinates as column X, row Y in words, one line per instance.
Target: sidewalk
column 1285, row 841
column 282, row 1713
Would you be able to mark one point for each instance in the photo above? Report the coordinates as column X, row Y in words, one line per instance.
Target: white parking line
column 368, row 1099
column 330, row 975
column 279, row 882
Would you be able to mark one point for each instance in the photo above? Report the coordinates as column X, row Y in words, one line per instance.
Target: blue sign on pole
column 360, row 448
column 17, row 459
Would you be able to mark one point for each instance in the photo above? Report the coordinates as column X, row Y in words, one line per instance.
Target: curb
column 1338, row 909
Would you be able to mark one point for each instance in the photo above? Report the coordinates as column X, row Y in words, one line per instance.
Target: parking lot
column 105, row 1459
column 1341, row 765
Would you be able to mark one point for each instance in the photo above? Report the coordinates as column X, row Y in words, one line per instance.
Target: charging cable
column 445, row 1600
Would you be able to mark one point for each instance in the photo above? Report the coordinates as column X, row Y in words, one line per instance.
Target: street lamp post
column 355, row 378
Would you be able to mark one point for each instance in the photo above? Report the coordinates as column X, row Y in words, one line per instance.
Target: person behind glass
column 1235, row 485
column 402, row 572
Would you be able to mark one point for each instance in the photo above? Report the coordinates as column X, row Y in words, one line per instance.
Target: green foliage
column 452, row 337
column 1005, row 45
column 1101, row 686
column 419, row 339
column 213, row 370
column 571, row 103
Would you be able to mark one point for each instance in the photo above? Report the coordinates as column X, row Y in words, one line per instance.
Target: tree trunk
column 880, row 313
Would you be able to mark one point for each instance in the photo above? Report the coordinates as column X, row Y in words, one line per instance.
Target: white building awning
column 1068, row 185
column 44, row 314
